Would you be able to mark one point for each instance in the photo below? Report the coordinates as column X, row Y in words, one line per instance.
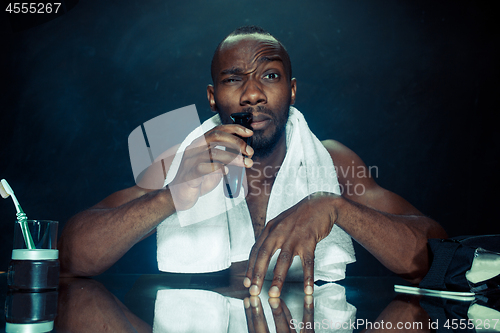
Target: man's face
column 250, row 77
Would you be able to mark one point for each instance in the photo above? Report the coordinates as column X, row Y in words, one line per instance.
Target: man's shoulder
column 343, row 157
column 338, row 151
column 331, row 145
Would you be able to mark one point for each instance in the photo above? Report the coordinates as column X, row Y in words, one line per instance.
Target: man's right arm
column 93, row 240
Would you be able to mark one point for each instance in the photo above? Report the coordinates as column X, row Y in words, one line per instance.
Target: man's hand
column 296, row 232
column 203, row 165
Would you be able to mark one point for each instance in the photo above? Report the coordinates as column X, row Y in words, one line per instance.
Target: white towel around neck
column 217, row 231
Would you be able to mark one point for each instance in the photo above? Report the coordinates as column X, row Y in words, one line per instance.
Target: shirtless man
column 251, row 70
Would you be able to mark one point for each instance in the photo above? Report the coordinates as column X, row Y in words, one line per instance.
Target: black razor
column 234, row 178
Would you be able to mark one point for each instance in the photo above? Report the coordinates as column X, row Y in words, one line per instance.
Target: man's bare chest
column 257, row 206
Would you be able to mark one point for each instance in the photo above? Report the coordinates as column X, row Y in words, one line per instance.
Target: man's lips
column 260, row 121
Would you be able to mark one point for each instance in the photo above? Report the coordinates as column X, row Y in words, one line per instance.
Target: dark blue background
column 411, row 86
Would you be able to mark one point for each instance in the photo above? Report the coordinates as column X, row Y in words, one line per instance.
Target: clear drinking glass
column 34, row 265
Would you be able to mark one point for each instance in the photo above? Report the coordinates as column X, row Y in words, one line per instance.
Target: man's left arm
column 389, row 227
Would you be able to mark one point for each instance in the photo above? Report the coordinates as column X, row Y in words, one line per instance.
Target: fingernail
column 308, row 299
column 274, row 302
column 248, row 162
column 246, row 303
column 274, row 292
column 247, row 282
column 254, row 290
column 248, row 130
column 226, row 170
column 254, row 301
column 308, row 290
column 249, row 150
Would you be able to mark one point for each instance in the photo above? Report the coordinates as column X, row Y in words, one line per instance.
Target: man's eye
column 271, row 76
column 230, row 80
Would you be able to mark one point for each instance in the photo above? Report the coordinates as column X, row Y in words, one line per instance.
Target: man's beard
column 262, row 144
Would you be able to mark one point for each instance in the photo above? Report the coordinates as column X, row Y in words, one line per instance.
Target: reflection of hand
column 296, row 231
column 256, row 321
column 203, row 165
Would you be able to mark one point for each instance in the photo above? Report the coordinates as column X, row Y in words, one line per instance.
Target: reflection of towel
column 189, row 310
column 218, row 231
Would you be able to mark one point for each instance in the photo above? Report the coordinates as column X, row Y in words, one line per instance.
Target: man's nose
column 252, row 94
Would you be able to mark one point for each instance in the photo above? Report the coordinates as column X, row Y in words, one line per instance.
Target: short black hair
column 248, row 30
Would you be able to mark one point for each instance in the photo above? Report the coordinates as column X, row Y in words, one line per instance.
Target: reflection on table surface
column 218, row 302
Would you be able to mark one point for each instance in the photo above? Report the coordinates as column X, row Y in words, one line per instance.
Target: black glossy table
column 218, row 302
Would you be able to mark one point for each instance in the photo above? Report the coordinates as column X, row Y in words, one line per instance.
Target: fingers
column 283, row 264
column 197, row 165
column 232, row 136
column 204, row 155
column 283, row 320
column 228, row 156
column 256, row 321
column 248, row 315
column 308, row 315
column 234, row 129
column 281, row 315
column 260, row 257
column 203, row 164
column 247, row 281
column 308, row 268
column 257, row 267
column 294, row 232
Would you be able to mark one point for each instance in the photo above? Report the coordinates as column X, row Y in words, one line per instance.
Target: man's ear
column 211, row 98
column 293, row 88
